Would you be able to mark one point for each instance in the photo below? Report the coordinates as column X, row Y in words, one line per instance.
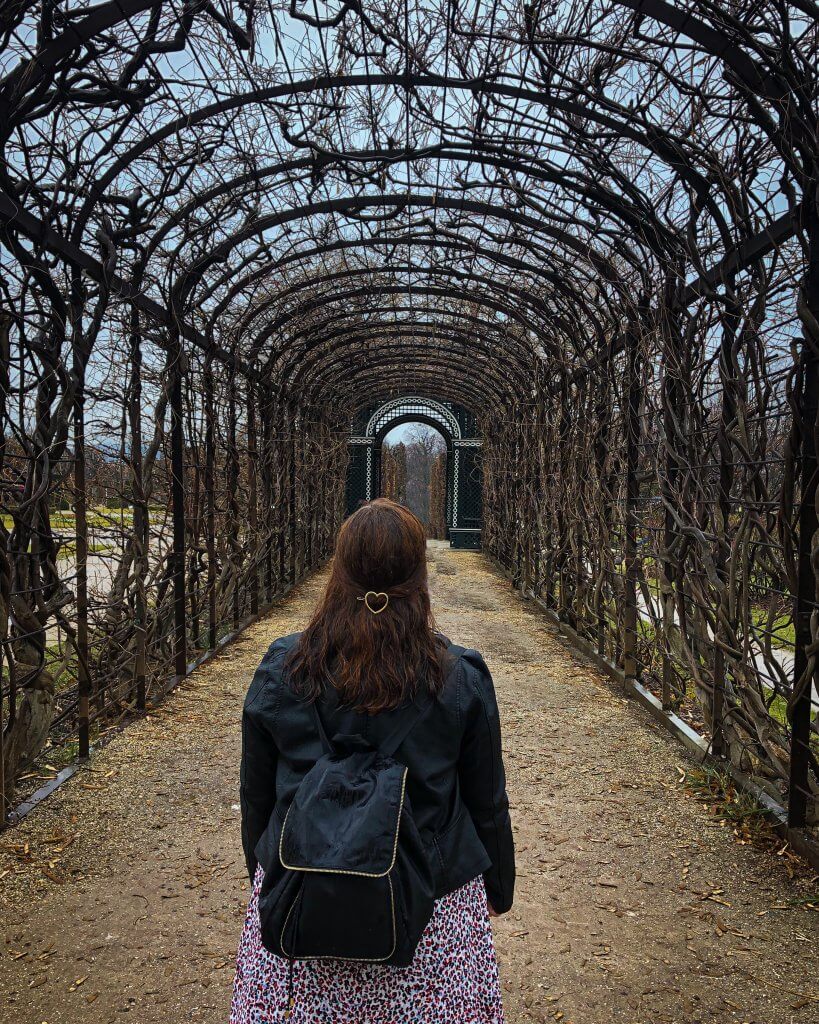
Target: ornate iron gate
column 464, row 481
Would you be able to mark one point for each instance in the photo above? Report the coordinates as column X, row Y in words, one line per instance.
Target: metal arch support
column 434, row 409
column 14, row 217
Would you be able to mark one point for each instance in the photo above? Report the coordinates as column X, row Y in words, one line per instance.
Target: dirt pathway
column 124, row 893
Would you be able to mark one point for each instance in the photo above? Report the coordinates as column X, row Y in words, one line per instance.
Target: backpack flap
column 345, row 815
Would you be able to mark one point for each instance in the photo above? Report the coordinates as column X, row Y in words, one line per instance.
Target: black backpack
column 352, row 880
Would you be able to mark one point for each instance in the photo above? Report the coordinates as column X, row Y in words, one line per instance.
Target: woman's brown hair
column 375, row 659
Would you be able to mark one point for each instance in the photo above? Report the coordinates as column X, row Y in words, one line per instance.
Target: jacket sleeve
column 257, row 785
column 482, row 779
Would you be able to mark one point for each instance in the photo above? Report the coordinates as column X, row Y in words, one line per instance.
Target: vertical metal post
column 513, row 538
column 545, row 453
column 632, row 439
column 292, row 506
column 210, row 505
column 81, row 555
column 726, row 478
column 806, row 612
column 602, row 441
column 233, row 503
column 5, row 567
column 267, row 491
column 377, row 481
column 564, row 603
column 178, row 505
column 579, row 589
column 537, row 487
column 140, row 509
column 528, row 534
column 282, row 495
column 4, row 805
column 306, row 493
column 325, row 508
column 252, row 498
column 671, row 393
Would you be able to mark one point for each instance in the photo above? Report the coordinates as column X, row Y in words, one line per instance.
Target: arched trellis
column 595, row 226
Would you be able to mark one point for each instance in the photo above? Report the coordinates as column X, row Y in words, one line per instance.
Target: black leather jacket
column 456, row 781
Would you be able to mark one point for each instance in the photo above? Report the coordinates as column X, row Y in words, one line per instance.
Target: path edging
column 805, row 845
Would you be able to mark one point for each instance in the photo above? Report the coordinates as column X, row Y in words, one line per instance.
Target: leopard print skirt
column 453, row 978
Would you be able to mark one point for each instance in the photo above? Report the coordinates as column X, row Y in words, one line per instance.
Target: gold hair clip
column 376, row 594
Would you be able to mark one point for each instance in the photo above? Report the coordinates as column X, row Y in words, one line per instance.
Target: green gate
column 458, row 428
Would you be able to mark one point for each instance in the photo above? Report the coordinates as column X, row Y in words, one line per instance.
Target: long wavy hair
column 374, row 661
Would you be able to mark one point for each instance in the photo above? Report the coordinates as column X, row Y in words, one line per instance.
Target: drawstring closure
column 290, row 964
column 289, row 1008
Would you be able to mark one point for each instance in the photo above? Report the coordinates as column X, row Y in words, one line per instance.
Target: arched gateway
column 458, row 428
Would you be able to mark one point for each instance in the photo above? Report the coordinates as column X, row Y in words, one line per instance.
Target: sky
column 402, row 433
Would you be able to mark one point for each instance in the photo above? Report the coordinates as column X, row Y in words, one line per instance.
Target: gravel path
column 124, row 892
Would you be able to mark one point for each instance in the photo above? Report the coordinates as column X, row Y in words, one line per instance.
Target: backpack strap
column 394, row 741
column 419, row 711
column 325, row 742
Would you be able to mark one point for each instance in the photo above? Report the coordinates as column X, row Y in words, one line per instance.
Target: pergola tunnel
column 242, row 241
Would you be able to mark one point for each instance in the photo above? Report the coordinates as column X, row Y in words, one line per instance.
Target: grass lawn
column 99, row 517
column 782, row 629
column 69, row 550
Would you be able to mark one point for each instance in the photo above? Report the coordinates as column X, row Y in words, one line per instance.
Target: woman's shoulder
column 466, row 672
column 270, row 671
column 467, row 659
column 471, row 687
column 274, row 659
column 283, row 644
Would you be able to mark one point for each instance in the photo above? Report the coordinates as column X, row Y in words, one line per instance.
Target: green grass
column 645, row 629
column 98, row 516
column 62, row 754
column 714, row 786
column 69, row 550
column 782, row 630
column 777, row 708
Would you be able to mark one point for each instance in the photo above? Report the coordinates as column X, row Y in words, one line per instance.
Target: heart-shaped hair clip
column 379, row 595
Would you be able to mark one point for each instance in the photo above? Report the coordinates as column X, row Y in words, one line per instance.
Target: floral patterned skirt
column 453, row 978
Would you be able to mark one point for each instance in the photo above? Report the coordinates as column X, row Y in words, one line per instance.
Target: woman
column 369, row 658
